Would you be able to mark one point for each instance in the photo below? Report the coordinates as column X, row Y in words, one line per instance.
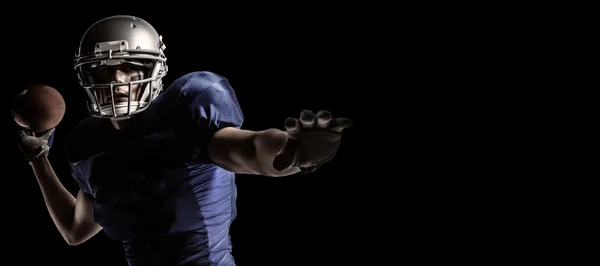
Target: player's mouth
column 121, row 97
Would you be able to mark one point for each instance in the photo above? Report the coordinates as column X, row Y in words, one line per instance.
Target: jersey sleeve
column 210, row 103
column 75, row 153
column 81, row 181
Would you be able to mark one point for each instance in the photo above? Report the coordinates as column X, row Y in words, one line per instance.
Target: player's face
column 123, row 73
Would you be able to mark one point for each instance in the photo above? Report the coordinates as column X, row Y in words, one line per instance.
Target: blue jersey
column 153, row 185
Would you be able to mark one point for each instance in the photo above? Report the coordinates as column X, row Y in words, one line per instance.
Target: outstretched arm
column 307, row 142
column 249, row 152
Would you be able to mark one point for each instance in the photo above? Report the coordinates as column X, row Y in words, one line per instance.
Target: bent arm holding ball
column 72, row 216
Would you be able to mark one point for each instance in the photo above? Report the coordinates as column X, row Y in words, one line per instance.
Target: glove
column 33, row 147
column 314, row 139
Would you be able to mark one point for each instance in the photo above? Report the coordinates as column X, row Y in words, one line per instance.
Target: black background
column 279, row 63
column 427, row 174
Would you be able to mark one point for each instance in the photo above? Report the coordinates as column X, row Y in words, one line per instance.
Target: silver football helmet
column 115, row 41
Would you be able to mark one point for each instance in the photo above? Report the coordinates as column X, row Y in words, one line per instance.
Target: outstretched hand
column 314, row 139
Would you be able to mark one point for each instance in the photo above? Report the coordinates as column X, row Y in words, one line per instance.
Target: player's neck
column 121, row 124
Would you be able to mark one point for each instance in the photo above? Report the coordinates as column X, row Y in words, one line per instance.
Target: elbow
column 74, row 243
column 72, row 240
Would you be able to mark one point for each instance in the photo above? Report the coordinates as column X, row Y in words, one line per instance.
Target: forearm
column 251, row 152
column 59, row 201
column 272, row 156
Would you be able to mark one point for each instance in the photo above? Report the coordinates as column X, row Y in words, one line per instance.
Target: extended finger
column 307, row 118
column 323, row 118
column 292, row 126
column 340, row 124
